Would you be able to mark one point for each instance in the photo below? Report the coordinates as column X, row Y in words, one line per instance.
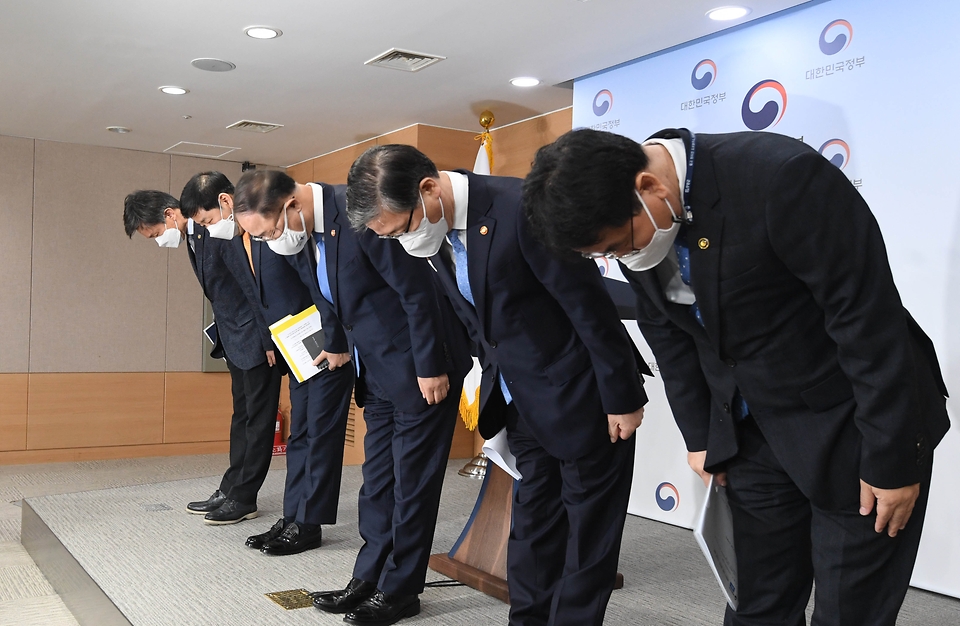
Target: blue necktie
column 740, row 408
column 463, row 284
column 324, row 284
column 322, row 279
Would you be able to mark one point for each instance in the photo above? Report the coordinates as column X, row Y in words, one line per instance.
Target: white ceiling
column 70, row 68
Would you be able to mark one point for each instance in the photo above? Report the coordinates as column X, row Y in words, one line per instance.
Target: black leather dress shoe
column 231, row 512
column 293, row 540
column 382, row 609
column 256, row 541
column 344, row 600
column 203, row 507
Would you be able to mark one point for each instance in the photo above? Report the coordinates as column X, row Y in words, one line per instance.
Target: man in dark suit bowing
column 412, row 354
column 559, row 371
column 318, row 406
column 242, row 339
column 793, row 370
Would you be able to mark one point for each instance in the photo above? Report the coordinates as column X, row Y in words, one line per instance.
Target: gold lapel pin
column 333, row 232
column 484, row 230
column 704, row 243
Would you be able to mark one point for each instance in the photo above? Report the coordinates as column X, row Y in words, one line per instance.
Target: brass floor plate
column 292, row 599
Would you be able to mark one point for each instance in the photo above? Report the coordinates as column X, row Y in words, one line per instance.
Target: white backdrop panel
column 868, row 83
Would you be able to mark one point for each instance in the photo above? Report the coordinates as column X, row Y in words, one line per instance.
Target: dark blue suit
column 243, row 339
column 403, row 328
column 801, row 316
column 550, row 328
column 319, row 405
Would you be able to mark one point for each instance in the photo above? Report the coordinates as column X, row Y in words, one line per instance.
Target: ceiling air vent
column 254, row 127
column 404, row 60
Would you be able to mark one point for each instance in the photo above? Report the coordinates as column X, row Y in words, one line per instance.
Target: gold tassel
column 470, row 411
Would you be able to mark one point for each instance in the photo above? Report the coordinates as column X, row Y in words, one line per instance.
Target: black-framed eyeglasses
column 405, row 230
column 613, row 255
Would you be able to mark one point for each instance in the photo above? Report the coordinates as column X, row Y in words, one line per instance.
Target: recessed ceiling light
column 170, row 90
column 725, row 14
column 121, row 130
column 262, row 32
column 524, row 81
column 213, row 65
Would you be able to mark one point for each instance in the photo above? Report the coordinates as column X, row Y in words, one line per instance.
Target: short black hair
column 145, row 208
column 263, row 192
column 386, row 177
column 581, row 184
column 202, row 192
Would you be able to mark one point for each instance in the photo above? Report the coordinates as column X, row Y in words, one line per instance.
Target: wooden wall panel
column 92, row 410
column 16, row 244
column 333, row 168
column 13, row 411
column 184, row 340
column 406, row 136
column 302, row 172
column 67, row 455
column 99, row 300
column 448, row 148
column 196, row 407
column 515, row 146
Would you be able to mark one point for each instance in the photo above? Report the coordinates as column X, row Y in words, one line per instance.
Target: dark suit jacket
column 305, row 264
column 548, row 325
column 224, row 276
column 801, row 313
column 278, row 286
column 391, row 309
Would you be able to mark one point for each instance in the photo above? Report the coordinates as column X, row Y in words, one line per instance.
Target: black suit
column 550, row 328
column 319, row 406
column 403, row 329
column 801, row 315
column 243, row 339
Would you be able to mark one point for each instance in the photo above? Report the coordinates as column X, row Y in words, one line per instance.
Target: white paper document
column 289, row 334
column 498, row 451
column 714, row 533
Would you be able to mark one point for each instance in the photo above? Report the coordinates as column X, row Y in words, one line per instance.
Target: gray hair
column 386, row 178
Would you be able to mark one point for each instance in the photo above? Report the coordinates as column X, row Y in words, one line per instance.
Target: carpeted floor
column 162, row 566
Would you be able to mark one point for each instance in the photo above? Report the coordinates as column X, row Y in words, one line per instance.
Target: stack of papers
column 714, row 533
column 298, row 337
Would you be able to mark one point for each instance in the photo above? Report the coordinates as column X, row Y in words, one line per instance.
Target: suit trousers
column 405, row 459
column 318, row 425
column 567, row 526
column 256, row 396
column 784, row 544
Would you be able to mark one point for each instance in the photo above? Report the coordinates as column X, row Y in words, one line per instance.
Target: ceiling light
column 524, row 81
column 725, row 14
column 121, row 130
column 170, row 90
column 262, row 32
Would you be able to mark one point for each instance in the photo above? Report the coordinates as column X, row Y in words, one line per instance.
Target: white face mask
column 427, row 239
column 651, row 254
column 170, row 237
column 226, row 228
column 289, row 242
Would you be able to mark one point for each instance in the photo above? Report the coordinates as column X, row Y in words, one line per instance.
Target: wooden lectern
column 479, row 557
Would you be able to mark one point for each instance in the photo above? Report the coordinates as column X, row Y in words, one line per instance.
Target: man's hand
column 271, row 358
column 894, row 506
column 696, row 460
column 434, row 389
column 623, row 426
column 335, row 360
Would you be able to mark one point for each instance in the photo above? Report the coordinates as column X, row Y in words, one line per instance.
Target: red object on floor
column 278, row 446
